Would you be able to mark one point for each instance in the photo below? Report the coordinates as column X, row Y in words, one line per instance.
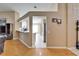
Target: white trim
column 58, row 47
column 25, row 43
column 74, row 50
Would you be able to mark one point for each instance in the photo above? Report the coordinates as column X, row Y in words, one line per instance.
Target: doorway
column 39, row 37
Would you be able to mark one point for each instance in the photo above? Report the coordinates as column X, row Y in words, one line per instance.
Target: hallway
column 16, row 48
column 39, row 31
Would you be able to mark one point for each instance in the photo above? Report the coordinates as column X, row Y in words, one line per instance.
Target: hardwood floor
column 16, row 48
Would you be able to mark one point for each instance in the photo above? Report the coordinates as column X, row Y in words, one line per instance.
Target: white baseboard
column 74, row 50
column 58, row 47
column 25, row 43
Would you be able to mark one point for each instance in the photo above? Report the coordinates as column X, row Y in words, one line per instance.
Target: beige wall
column 56, row 34
column 8, row 15
column 72, row 17
column 16, row 36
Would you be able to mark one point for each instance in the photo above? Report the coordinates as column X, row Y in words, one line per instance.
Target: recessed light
column 35, row 6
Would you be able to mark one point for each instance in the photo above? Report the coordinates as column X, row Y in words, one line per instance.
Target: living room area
column 38, row 29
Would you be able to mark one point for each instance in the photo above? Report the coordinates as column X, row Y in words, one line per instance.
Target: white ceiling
column 23, row 8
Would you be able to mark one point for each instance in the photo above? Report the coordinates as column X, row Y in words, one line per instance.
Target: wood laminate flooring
column 16, row 48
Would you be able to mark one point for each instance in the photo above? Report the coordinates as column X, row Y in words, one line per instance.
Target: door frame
column 43, row 28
